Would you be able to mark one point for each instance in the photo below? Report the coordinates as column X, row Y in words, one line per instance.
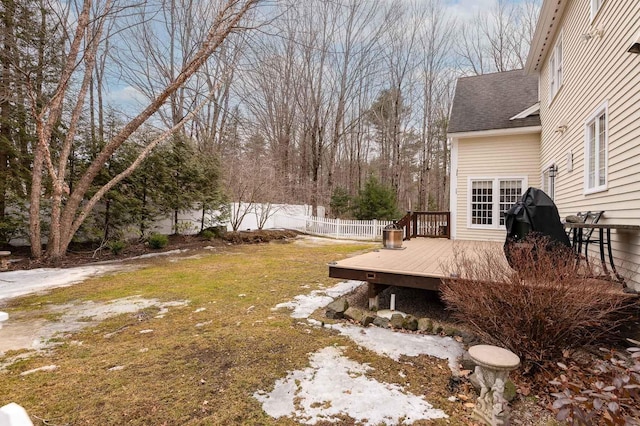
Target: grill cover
column 536, row 213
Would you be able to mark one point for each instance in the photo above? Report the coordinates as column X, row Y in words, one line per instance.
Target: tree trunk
column 5, row 105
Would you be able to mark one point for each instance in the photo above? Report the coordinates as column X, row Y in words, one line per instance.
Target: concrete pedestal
column 493, row 365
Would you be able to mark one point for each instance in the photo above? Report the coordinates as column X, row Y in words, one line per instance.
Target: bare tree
column 402, row 40
column 436, row 41
column 498, row 39
column 269, row 89
column 67, row 208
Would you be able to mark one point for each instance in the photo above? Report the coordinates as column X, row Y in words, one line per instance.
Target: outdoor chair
column 588, row 236
column 577, row 218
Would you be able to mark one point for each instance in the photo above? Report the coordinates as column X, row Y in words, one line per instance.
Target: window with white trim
column 555, row 68
column 510, row 192
column 490, row 198
column 596, row 141
column 482, row 202
column 595, row 7
column 548, row 181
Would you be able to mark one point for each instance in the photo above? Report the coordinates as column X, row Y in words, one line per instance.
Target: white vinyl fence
column 334, row 228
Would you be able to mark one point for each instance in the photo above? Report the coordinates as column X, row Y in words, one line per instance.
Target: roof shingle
column 487, row 102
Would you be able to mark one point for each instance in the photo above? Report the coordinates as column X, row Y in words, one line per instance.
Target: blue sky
column 128, row 99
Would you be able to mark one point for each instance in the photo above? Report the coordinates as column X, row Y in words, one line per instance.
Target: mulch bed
column 87, row 253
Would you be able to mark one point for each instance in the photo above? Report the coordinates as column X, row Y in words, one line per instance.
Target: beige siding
column 597, row 71
column 492, row 157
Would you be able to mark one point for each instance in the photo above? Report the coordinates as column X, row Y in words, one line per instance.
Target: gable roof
column 490, row 101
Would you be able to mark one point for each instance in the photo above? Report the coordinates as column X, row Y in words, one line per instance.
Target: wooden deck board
column 423, row 263
column 418, row 265
column 420, row 257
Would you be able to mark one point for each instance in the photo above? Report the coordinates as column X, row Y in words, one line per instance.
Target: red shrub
column 538, row 308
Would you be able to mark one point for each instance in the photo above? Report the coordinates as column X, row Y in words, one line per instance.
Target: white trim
column 594, row 13
column 496, row 132
column 470, row 180
column 453, row 188
column 495, row 198
column 550, row 15
column 527, row 112
column 543, row 185
column 602, row 108
column 556, row 62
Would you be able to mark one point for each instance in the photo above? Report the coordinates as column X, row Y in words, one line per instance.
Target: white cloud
column 465, row 9
column 125, row 97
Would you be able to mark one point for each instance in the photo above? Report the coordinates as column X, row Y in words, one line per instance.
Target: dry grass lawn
column 182, row 374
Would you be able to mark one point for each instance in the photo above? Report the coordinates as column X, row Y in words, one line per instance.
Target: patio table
column 604, row 240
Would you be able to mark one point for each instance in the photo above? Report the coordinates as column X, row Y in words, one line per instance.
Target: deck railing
column 337, row 228
column 426, row 224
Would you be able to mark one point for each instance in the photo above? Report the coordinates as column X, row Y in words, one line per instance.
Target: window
column 595, row 7
column 549, row 181
column 482, row 202
column 490, row 198
column 555, row 68
column 596, row 142
column 510, row 192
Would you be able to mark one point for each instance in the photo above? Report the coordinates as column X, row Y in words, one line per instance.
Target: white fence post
column 334, row 228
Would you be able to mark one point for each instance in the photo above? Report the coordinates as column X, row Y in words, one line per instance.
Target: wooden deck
column 421, row 263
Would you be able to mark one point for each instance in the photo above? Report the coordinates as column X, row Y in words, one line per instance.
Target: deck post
column 374, row 300
column 374, row 234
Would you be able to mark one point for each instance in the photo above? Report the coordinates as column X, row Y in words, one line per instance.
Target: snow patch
column 304, row 305
column 162, row 253
column 20, row 283
column 380, row 340
column 35, row 370
column 36, row 334
column 393, row 344
column 335, row 386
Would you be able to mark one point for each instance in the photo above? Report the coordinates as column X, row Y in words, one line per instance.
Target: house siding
column 596, row 71
column 492, row 157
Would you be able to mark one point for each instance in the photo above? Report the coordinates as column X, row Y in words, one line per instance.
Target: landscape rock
column 467, row 362
column 333, row 314
column 425, row 324
column 437, row 327
column 367, row 318
column 410, row 323
column 339, row 305
column 451, row 331
column 381, row 322
column 353, row 314
column 468, row 337
column 397, row 320
column 336, row 309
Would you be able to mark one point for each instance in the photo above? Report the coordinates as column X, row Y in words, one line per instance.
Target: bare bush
column 542, row 306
